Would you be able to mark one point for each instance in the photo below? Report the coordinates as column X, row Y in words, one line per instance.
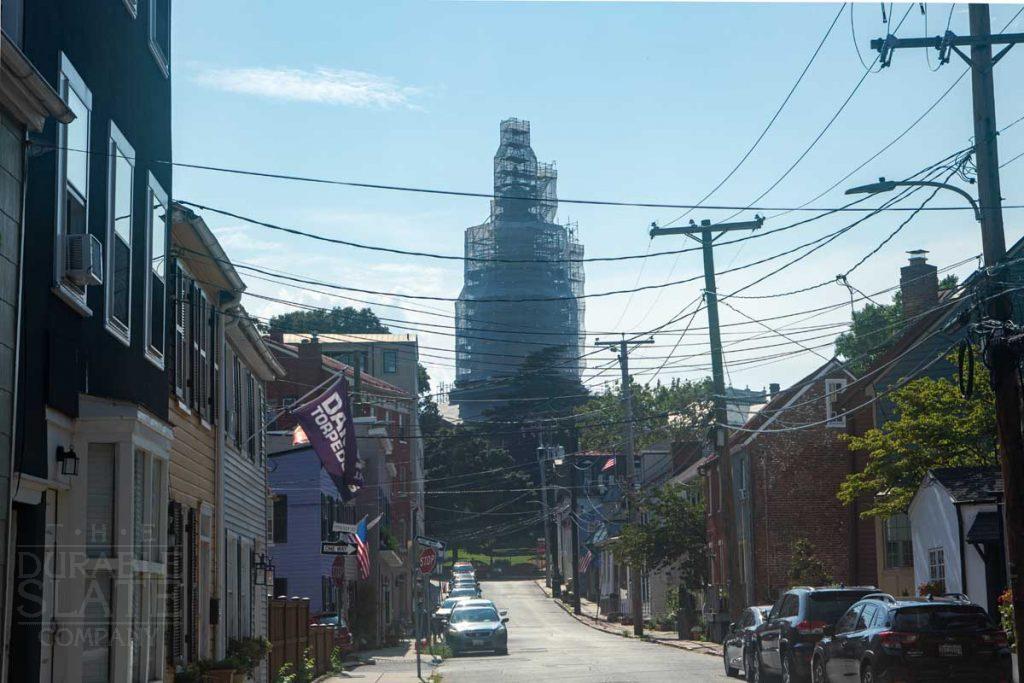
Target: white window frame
column 133, row 8
column 832, row 388
column 936, row 560
column 162, row 60
column 70, row 80
column 117, row 143
column 155, row 191
column 150, row 572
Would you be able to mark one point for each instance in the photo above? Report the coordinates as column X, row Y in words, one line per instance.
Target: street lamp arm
column 884, row 185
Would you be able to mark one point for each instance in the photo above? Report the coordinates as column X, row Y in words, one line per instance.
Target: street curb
column 591, row 622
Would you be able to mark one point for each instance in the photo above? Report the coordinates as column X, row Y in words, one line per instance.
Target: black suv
column 881, row 638
column 783, row 644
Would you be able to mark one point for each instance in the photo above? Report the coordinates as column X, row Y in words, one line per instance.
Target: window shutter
column 193, row 342
column 192, row 583
column 214, row 363
column 177, row 358
column 175, row 632
column 262, row 424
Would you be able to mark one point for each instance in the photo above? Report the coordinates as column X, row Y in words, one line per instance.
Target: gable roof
column 970, row 484
column 332, row 365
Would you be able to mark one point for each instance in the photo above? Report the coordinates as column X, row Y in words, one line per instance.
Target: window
column 251, row 416
column 790, row 606
column 937, row 567
column 230, row 416
column 848, row 622
column 156, row 275
column 287, row 401
column 390, row 360
column 280, row 522
column 149, row 512
column 899, row 550
column 73, row 173
column 97, row 609
column 160, row 33
column 236, row 382
column 120, row 176
column 100, row 481
column 182, row 334
column 867, row 616
column 833, row 387
column 205, row 577
column 280, row 587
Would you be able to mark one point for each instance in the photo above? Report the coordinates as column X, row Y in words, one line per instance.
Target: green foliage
column 805, row 568
column 337, row 661
column 1006, row 614
column 673, row 538
column 688, row 402
column 337, row 320
column 422, row 379
column 306, row 673
column 248, row 652
column 936, row 427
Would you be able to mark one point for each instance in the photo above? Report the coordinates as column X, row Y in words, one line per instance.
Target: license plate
column 951, row 650
column 478, row 642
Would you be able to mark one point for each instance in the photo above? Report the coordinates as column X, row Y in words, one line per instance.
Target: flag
column 608, row 464
column 585, row 561
column 327, row 423
column 362, row 551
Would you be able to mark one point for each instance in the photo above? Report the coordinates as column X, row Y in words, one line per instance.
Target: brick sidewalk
column 391, row 665
column 590, row 610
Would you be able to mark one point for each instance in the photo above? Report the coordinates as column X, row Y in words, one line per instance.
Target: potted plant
column 247, row 653
column 227, row 670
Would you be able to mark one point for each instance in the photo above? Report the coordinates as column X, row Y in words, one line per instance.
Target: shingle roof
column 970, row 484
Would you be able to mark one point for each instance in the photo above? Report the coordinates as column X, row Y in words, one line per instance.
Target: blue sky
column 635, row 101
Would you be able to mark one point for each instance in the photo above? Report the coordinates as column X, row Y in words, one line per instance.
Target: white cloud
column 322, row 85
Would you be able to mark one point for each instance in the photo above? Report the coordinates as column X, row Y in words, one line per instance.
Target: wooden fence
column 291, row 635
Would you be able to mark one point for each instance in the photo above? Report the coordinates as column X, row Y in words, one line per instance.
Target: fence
column 291, row 635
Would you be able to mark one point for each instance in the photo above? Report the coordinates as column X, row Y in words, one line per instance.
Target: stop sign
column 428, row 558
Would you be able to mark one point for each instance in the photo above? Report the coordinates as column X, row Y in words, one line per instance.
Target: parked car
column 477, row 625
column 440, row 616
column 784, row 643
column 465, row 592
column 738, row 648
column 342, row 634
column 881, row 638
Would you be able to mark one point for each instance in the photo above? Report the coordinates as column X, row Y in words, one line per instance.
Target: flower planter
column 224, row 676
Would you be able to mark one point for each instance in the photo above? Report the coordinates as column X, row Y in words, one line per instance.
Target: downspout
column 961, row 549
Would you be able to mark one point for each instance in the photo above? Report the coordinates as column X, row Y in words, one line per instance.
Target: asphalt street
column 546, row 644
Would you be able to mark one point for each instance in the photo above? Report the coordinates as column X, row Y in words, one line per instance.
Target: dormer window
column 833, row 387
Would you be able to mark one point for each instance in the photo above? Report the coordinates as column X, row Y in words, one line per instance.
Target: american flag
column 610, row 463
column 585, row 561
column 362, row 551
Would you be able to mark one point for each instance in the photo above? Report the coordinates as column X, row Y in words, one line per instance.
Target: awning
column 987, row 528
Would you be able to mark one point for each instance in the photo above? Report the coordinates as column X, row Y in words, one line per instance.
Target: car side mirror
column 732, row 627
column 504, row 620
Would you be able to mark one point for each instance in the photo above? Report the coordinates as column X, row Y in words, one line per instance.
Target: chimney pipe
column 773, row 390
column 919, row 284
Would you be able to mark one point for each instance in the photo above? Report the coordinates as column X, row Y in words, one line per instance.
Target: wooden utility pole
column 1002, row 358
column 636, row 599
column 574, row 517
column 705, row 229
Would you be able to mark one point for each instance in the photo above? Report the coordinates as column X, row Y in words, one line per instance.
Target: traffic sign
column 342, row 528
column 431, row 542
column 428, row 558
column 337, row 549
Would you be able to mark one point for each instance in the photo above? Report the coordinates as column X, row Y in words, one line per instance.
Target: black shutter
column 175, row 593
column 192, row 584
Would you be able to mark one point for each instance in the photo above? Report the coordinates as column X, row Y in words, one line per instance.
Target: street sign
column 431, row 542
column 337, row 549
column 343, row 528
column 428, row 558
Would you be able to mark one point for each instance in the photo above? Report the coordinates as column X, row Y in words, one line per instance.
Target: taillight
column 897, row 639
column 996, row 638
column 811, row 628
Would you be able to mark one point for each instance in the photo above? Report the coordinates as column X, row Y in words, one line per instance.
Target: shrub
column 1006, row 613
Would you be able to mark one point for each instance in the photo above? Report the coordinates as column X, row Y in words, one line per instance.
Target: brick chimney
column 919, row 284
column 773, row 390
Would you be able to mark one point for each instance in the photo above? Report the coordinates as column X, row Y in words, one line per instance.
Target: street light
column 884, row 185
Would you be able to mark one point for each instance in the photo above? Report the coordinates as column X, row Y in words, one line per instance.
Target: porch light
column 68, row 460
column 263, row 570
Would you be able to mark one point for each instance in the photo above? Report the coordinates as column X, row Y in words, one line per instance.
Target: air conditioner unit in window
column 83, row 260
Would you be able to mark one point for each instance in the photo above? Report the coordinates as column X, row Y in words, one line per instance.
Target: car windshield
column 473, row 614
column 449, row 603
column 331, row 620
column 941, row 618
column 461, row 592
column 829, row 606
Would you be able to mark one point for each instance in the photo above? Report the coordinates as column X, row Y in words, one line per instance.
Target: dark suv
column 783, row 644
column 881, row 638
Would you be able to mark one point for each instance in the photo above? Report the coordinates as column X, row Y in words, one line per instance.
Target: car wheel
column 867, row 674
column 818, row 671
column 731, row 672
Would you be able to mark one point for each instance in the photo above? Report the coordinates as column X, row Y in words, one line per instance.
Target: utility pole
column 733, row 600
column 575, row 519
column 631, row 484
column 1003, row 360
column 542, row 463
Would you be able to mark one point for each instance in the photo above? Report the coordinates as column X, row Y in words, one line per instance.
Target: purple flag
column 327, row 422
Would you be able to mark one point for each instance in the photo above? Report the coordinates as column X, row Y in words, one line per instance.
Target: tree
column 936, row 427
column 338, row 320
column 874, row 329
column 674, row 537
column 805, row 569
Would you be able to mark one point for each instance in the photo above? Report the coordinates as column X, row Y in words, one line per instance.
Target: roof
column 333, row 365
column 970, row 484
column 361, row 338
column 987, row 528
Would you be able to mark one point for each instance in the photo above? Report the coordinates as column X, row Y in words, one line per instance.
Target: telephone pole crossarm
column 694, row 228
column 950, row 41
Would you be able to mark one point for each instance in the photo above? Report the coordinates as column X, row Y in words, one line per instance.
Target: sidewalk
column 590, row 610
column 390, row 665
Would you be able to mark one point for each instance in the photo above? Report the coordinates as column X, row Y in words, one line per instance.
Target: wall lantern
column 263, row 571
column 68, row 460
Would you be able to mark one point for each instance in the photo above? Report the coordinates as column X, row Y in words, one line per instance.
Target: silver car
column 476, row 625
